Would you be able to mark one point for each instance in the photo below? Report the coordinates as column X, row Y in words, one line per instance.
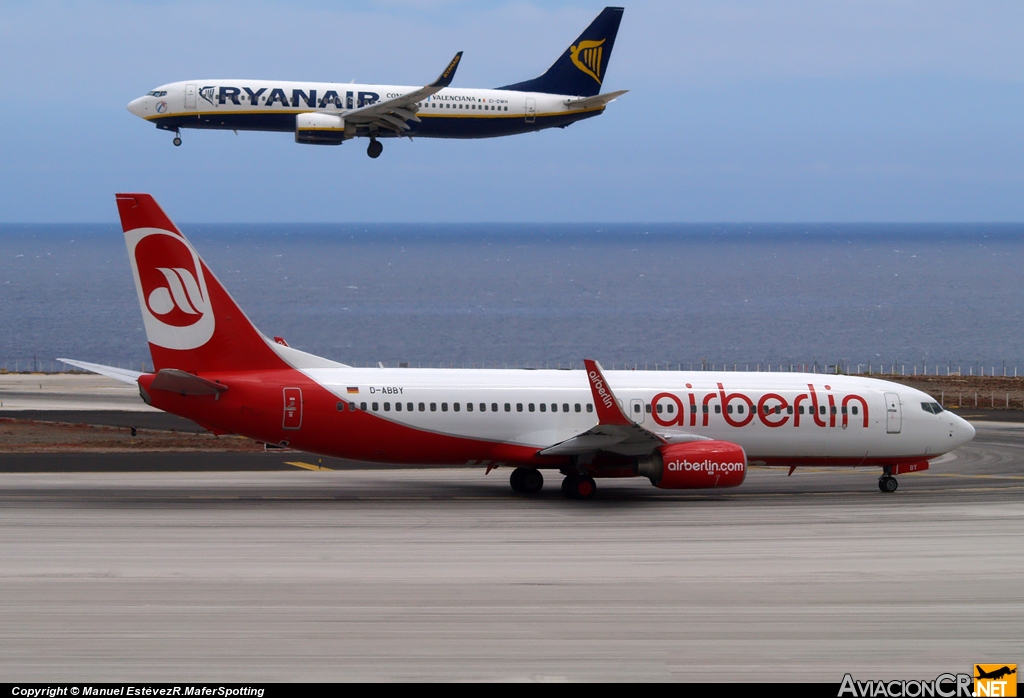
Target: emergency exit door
column 292, row 408
column 636, row 411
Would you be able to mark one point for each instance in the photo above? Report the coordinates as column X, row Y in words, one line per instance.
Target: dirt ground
column 968, row 392
column 32, row 436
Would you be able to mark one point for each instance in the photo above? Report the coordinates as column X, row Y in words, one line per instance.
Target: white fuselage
column 796, row 417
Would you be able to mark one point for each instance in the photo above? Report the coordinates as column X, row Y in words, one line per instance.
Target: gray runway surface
column 245, row 576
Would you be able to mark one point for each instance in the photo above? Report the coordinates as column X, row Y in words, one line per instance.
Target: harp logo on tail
column 172, row 289
column 587, row 57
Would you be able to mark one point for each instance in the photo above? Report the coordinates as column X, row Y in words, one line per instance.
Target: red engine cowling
column 696, row 465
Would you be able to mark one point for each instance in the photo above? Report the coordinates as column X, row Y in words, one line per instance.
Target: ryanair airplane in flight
column 330, row 113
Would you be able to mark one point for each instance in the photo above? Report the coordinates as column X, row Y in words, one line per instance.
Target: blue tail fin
column 580, row 70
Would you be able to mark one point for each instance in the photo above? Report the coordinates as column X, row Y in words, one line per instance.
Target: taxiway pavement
column 445, row 575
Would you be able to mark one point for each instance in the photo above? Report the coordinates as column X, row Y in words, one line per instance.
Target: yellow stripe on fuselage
column 420, row 114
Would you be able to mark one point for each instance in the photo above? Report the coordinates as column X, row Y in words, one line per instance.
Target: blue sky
column 738, row 111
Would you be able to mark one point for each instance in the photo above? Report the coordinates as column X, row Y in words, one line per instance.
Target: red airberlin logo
column 172, row 290
column 601, row 389
column 705, row 466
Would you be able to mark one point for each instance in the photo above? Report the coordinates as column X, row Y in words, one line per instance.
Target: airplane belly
column 231, row 121
column 432, row 126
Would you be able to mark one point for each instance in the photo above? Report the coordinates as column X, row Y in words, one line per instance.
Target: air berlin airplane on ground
column 682, row 430
column 330, row 113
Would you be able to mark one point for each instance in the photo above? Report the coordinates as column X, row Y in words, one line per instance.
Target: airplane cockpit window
column 932, row 407
column 157, row 93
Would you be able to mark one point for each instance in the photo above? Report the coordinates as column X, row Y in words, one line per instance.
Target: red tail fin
column 191, row 322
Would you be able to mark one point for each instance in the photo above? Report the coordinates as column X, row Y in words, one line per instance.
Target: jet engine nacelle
column 319, row 129
column 695, row 465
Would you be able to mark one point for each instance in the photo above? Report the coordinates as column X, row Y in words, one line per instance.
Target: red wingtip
column 142, row 211
column 608, row 410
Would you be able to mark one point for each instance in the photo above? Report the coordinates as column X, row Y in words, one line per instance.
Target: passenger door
column 531, row 110
column 190, row 96
column 893, row 414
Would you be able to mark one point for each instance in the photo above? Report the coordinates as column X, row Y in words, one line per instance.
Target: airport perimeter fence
column 34, row 364
column 953, row 385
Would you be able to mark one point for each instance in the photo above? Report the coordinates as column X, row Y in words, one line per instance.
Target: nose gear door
column 292, row 408
column 893, row 414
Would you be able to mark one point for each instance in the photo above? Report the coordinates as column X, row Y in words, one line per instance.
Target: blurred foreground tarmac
column 446, row 575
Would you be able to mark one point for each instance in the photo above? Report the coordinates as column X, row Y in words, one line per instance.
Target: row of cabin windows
column 457, row 407
column 670, row 408
column 449, row 105
column 543, row 407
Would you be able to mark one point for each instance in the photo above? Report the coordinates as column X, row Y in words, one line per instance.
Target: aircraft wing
column 615, row 432
column 394, row 113
column 595, row 101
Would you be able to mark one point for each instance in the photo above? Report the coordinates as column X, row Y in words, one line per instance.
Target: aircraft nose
column 137, row 106
column 963, row 431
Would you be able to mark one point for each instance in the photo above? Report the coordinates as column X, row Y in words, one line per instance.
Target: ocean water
column 503, row 294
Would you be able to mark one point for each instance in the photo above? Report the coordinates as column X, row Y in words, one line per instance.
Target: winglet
column 449, row 73
column 608, row 410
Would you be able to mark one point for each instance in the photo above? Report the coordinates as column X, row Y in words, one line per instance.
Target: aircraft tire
column 531, row 481
column 579, row 487
column 888, row 484
column 516, row 480
column 177, row 140
column 375, row 148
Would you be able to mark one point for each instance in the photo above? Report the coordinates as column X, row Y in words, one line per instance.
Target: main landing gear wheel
column 887, row 483
column 526, row 480
column 375, row 148
column 579, row 487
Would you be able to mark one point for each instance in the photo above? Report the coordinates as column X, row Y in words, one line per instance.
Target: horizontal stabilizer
column 122, row 374
column 174, row 381
column 595, row 101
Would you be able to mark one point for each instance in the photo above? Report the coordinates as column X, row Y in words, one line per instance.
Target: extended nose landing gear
column 177, row 138
column 526, row 480
column 577, row 486
column 887, row 483
column 375, row 148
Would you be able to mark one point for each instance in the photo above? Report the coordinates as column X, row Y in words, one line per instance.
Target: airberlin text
column 943, row 686
column 705, row 466
column 601, row 389
column 814, row 407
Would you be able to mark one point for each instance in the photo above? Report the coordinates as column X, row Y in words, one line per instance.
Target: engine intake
column 320, row 129
column 695, row 465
